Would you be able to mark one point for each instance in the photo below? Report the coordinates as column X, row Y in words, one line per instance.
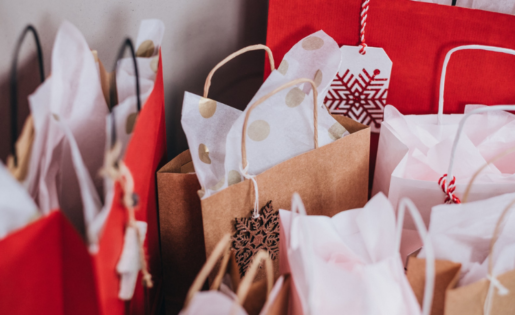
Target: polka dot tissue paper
column 280, row 128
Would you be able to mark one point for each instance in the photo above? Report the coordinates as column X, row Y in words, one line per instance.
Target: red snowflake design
column 362, row 98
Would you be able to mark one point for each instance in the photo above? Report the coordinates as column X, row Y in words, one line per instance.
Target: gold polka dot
column 203, row 153
column 283, row 67
column 295, row 97
column 219, row 184
column 201, row 192
column 145, row 49
column 259, row 130
column 318, row 77
column 56, row 117
column 312, row 43
column 336, row 131
column 206, row 107
column 234, row 177
column 154, row 63
column 130, row 122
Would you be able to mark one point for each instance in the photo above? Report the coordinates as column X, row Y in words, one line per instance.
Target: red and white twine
column 449, row 190
column 364, row 14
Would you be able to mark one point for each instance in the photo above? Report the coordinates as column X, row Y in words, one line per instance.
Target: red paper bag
column 144, row 155
column 415, row 36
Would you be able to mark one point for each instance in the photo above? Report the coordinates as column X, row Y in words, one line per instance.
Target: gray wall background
column 199, row 33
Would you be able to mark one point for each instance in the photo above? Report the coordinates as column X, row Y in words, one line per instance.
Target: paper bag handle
column 446, row 62
column 473, row 178
column 220, row 249
column 127, row 43
column 263, row 99
column 460, row 129
column 297, row 206
column 246, row 282
column 14, row 84
column 428, row 247
column 234, row 55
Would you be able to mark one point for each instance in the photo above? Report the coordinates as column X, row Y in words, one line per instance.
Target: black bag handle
column 14, row 85
column 112, row 90
column 454, row 3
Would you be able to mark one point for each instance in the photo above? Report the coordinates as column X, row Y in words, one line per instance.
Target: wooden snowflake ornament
column 253, row 234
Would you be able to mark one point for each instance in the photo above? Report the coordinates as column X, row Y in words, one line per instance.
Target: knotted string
column 244, row 172
column 119, row 172
column 448, row 190
column 494, row 283
column 364, row 15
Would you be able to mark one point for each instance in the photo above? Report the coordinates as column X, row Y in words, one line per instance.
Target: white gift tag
column 360, row 87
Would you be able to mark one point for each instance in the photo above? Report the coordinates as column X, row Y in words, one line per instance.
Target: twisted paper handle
column 364, row 15
column 448, row 190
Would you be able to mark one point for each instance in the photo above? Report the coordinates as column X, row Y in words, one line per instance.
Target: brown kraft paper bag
column 469, row 299
column 331, row 179
column 182, row 238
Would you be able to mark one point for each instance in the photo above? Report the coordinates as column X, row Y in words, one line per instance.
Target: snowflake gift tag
column 253, row 234
column 360, row 87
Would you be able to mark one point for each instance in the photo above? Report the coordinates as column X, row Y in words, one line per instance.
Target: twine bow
column 119, row 172
column 448, row 190
column 494, row 283
column 244, row 172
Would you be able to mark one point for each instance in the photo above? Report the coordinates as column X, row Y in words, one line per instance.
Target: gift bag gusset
column 321, row 182
column 415, row 153
column 350, row 261
column 206, row 124
column 360, row 87
column 181, row 233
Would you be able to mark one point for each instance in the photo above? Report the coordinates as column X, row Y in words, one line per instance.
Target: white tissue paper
column 348, row 262
column 17, row 208
column 78, row 101
column 462, row 233
column 150, row 37
column 415, row 152
column 279, row 128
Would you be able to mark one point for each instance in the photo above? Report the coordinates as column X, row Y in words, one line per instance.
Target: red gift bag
column 32, row 261
column 415, row 36
column 145, row 153
column 33, row 274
